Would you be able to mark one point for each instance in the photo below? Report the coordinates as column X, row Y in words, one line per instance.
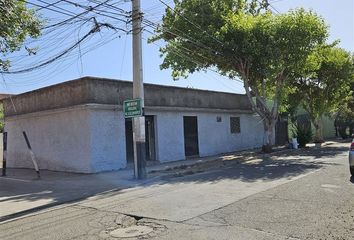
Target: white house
column 79, row 125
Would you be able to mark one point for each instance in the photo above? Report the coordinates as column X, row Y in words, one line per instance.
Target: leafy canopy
column 242, row 39
column 17, row 23
column 325, row 84
column 224, row 34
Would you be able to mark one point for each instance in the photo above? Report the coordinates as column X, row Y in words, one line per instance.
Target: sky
column 113, row 59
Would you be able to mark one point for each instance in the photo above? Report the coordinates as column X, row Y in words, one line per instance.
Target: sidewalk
column 21, row 192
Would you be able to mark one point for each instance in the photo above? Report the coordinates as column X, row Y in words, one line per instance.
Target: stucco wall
column 84, row 139
column 79, row 125
column 108, row 150
column 91, row 138
column 60, row 140
column 169, row 136
column 214, row 137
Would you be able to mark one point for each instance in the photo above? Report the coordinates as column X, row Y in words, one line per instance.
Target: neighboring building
column 327, row 124
column 79, row 126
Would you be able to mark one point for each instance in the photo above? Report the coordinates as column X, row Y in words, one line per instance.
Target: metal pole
column 4, row 152
column 33, row 157
column 138, row 92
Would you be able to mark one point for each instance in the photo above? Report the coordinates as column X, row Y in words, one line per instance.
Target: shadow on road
column 65, row 187
column 265, row 169
column 323, row 152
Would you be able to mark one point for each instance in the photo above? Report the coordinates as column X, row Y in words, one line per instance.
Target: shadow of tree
column 65, row 187
column 265, row 169
column 323, row 152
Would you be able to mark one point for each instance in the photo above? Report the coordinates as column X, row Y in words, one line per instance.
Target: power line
column 155, row 27
column 270, row 5
column 194, row 24
column 77, row 15
column 192, row 60
column 47, row 8
column 113, row 7
column 52, row 4
column 68, row 60
column 55, row 6
column 56, row 26
column 194, row 42
column 94, row 10
column 95, row 29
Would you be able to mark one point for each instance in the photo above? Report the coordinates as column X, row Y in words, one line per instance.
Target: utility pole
column 138, row 93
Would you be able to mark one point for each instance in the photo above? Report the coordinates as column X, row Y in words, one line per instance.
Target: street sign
column 132, row 108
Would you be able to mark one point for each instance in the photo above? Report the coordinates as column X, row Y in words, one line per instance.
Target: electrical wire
column 54, row 37
column 66, row 51
column 192, row 60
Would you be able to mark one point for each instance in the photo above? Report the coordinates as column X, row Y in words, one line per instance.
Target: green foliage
column 241, row 39
column 345, row 119
column 224, row 35
column 323, row 86
column 17, row 23
column 303, row 133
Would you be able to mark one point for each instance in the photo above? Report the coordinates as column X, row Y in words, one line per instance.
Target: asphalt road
column 298, row 195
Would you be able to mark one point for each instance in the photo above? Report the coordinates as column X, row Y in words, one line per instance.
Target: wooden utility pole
column 138, row 93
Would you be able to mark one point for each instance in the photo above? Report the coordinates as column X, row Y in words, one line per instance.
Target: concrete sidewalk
column 21, row 192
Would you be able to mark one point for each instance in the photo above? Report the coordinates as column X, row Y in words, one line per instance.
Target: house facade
column 79, row 126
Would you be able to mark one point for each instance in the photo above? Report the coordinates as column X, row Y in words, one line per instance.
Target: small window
column 235, row 125
column 218, row 119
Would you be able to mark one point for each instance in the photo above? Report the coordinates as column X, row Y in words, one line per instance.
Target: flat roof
column 87, row 90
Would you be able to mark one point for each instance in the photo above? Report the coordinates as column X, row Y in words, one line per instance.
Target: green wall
column 328, row 129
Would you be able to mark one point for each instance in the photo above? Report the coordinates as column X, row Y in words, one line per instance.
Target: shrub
column 304, row 134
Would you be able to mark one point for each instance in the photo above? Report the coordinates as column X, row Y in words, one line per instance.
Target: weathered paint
column 61, row 140
column 90, row 90
column 79, row 126
column 107, row 127
column 214, row 137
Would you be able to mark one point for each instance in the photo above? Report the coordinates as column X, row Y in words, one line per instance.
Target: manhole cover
column 133, row 231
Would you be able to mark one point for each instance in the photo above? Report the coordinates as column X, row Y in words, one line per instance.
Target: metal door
column 191, row 146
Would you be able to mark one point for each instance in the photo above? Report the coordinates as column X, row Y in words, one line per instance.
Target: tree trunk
column 268, row 136
column 318, row 131
column 269, row 116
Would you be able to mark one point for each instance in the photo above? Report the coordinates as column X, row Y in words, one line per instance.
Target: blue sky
column 113, row 60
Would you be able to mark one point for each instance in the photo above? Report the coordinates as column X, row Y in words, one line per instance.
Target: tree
column 17, row 23
column 325, row 84
column 241, row 39
column 345, row 116
column 343, row 121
